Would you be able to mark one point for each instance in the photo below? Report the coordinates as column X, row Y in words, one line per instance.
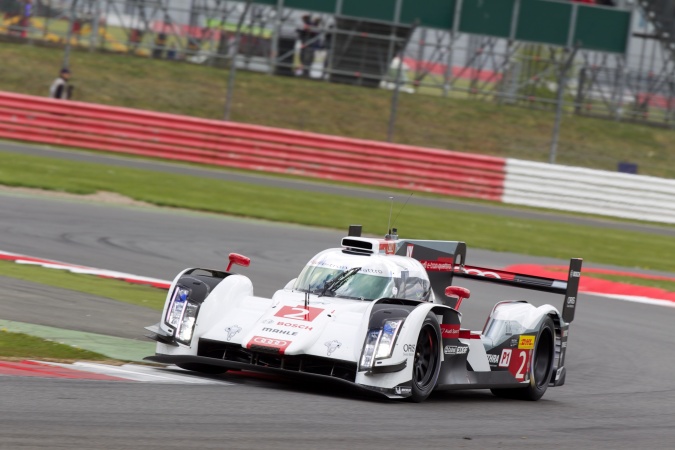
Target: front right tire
column 427, row 362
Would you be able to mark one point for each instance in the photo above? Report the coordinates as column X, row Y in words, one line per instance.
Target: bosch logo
column 272, row 342
column 409, row 348
column 295, row 325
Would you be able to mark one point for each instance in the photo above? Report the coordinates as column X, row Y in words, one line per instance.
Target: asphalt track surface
column 620, row 390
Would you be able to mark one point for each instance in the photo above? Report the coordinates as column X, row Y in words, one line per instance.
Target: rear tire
column 203, row 368
column 541, row 367
column 427, row 362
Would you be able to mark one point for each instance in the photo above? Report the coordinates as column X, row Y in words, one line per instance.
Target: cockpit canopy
column 337, row 273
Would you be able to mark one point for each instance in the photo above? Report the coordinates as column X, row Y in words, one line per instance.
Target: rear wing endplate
column 569, row 287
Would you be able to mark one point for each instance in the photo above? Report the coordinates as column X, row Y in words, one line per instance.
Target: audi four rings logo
column 273, row 342
column 480, row 273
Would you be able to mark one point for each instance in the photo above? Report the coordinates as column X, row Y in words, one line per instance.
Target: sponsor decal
column 402, row 390
column 526, row 342
column 278, row 331
column 299, row 312
column 514, row 342
column 268, row 321
column 481, row 273
column 232, row 331
column 519, row 364
column 492, row 359
column 333, row 345
column 449, row 331
column 565, row 333
column 408, row 348
column 505, row 359
column 571, row 302
column 455, row 350
column 409, row 250
column 261, row 341
column 574, row 274
column 450, row 350
column 388, row 247
column 300, row 326
column 437, row 266
column 564, row 345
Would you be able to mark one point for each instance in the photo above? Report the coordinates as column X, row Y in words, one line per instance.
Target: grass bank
column 134, row 294
column 449, row 123
column 19, row 345
column 529, row 237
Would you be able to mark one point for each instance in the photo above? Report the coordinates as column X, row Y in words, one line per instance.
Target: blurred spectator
column 61, row 88
column 308, row 34
column 160, row 45
column 172, row 53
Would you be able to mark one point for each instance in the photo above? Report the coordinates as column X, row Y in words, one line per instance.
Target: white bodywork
column 312, row 317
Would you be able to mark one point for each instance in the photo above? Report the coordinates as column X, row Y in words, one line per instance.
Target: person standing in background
column 60, row 88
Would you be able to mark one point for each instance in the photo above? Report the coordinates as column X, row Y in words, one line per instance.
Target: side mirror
column 240, row 260
column 457, row 291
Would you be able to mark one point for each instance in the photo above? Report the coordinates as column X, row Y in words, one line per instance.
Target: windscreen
column 361, row 286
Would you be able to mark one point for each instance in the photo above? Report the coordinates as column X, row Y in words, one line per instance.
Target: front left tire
column 427, row 362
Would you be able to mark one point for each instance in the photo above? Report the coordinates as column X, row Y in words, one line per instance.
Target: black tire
column 203, row 368
column 427, row 362
column 541, row 366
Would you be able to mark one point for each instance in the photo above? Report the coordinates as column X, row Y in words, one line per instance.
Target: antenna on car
column 391, row 207
column 399, row 211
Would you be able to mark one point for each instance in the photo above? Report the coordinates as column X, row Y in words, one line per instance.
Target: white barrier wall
column 589, row 191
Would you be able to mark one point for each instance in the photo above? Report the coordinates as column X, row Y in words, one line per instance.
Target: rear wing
column 569, row 288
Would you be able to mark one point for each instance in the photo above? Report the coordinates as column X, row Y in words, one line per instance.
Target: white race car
column 380, row 314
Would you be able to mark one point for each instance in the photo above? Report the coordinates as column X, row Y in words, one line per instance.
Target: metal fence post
column 69, row 36
column 233, row 62
column 562, row 82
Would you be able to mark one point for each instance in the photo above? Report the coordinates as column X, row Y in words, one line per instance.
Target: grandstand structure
column 613, row 61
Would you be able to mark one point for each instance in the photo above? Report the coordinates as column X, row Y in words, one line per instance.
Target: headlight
column 182, row 314
column 380, row 343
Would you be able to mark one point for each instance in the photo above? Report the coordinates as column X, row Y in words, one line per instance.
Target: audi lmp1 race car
column 380, row 314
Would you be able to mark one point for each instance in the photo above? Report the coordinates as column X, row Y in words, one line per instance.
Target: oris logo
column 409, row 348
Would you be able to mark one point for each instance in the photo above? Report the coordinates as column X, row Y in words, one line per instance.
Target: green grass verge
column 134, row 294
column 529, row 237
column 18, row 345
column 452, row 123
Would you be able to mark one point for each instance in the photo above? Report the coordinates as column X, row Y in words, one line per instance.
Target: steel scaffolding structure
column 588, row 76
